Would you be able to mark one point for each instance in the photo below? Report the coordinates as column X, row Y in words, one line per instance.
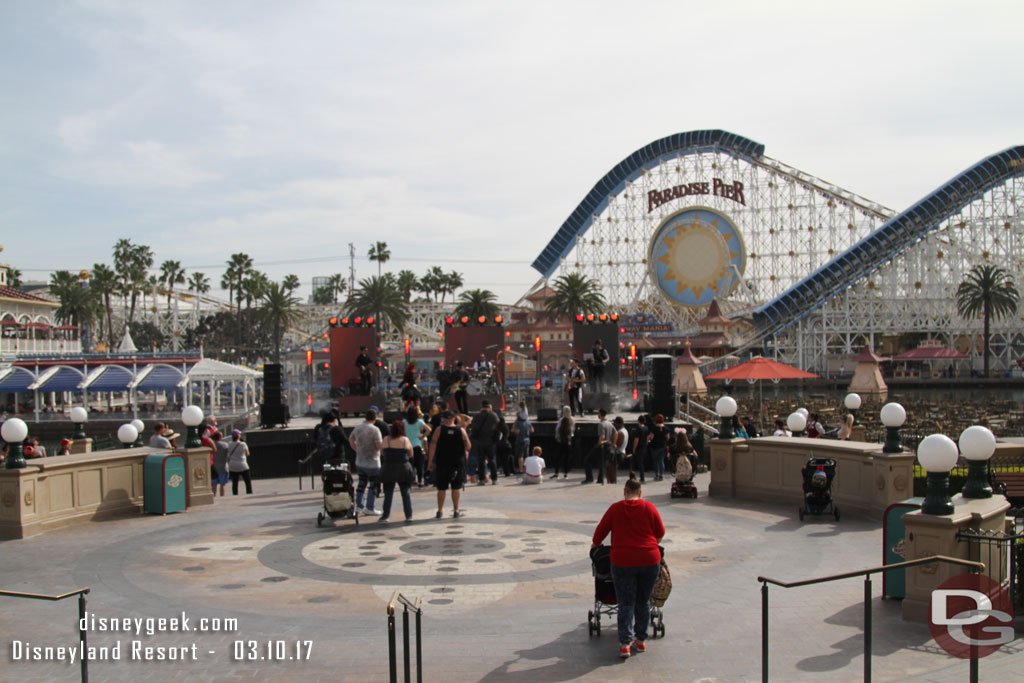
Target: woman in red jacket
column 636, row 529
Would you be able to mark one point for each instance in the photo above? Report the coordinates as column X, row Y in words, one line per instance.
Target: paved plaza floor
column 505, row 590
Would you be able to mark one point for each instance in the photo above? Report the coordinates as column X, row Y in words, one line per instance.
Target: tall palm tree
column 575, row 293
column 199, row 283
column 171, row 273
column 104, row 282
column 379, row 296
column 239, row 266
column 452, row 281
column 407, row 283
column 78, row 305
column 477, row 302
column 280, row 306
column 337, row 285
column 988, row 290
column 14, row 278
column 380, row 253
column 291, row 282
column 435, row 281
column 132, row 263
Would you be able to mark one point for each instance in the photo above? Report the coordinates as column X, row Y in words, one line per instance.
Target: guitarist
column 574, row 386
column 461, row 382
column 363, row 362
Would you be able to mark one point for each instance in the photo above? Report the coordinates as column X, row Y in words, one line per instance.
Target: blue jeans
column 633, row 587
column 658, row 461
column 389, row 493
column 367, row 475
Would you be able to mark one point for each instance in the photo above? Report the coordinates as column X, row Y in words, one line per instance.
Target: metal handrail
column 81, row 593
column 407, row 604
column 974, row 567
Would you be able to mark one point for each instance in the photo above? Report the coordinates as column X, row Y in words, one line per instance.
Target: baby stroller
column 605, row 601
column 819, row 474
column 339, row 494
column 683, row 486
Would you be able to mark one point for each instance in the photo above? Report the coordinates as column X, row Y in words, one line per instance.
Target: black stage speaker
column 666, row 405
column 393, row 415
column 661, row 375
column 547, row 414
column 272, row 384
column 272, row 414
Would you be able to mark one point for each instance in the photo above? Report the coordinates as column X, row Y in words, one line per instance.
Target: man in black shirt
column 446, row 458
column 363, row 362
column 484, row 430
column 461, row 381
column 600, row 359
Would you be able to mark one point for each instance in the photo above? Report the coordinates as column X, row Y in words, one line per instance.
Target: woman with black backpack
column 565, row 430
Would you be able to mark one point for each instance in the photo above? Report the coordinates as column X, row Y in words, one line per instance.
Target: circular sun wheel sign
column 971, row 616
column 696, row 255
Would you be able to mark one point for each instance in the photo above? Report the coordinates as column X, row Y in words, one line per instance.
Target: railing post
column 405, row 636
column 867, row 628
column 764, row 632
column 82, row 638
column 419, row 647
column 391, row 648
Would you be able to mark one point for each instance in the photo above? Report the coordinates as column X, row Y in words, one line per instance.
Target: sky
column 461, row 133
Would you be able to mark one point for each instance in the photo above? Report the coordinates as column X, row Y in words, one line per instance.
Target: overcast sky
column 461, row 133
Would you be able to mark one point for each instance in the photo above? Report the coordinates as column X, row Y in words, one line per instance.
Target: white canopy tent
column 212, row 375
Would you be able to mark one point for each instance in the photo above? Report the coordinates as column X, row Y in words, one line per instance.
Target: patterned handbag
column 662, row 587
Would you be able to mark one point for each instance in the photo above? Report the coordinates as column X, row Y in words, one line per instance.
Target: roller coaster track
column 884, row 244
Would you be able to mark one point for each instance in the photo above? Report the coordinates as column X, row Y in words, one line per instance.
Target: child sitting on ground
column 533, row 467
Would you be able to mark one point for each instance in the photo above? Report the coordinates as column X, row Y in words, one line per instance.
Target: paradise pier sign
column 716, row 187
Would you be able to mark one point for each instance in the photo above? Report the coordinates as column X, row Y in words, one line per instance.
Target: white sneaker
column 372, row 513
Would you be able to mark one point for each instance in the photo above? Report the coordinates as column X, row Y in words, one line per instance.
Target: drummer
column 482, row 367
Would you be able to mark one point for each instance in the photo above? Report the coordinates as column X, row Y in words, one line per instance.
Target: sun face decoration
column 696, row 255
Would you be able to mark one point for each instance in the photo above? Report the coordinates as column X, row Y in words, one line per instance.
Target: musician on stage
column 600, row 359
column 363, row 362
column 574, row 387
column 460, row 384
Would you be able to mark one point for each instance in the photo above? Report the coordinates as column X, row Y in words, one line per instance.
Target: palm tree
column 379, row 296
column 434, row 283
column 78, row 305
column 171, row 273
column 238, row 269
column 988, row 290
column 477, row 302
column 575, row 293
column 379, row 252
column 14, row 278
column 407, row 283
column 452, row 281
column 280, row 306
column 199, row 283
column 290, row 283
column 104, row 282
column 337, row 285
column 132, row 263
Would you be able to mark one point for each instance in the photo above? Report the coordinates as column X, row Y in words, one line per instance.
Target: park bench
column 1011, row 485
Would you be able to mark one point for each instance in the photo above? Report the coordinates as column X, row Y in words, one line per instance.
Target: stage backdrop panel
column 345, row 343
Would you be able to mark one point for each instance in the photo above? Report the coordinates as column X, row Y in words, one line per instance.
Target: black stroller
column 339, row 494
column 605, row 600
column 819, row 473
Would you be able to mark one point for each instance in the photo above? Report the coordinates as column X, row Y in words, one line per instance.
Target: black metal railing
column 306, row 465
column 1002, row 551
column 973, row 567
column 81, row 592
column 407, row 605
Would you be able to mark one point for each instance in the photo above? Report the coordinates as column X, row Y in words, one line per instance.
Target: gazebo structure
column 688, row 379
column 867, row 377
column 213, row 375
column 930, row 353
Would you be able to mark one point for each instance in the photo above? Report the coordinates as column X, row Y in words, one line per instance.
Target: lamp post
column 192, row 416
column 977, row 444
column 852, row 403
column 126, row 434
column 140, row 427
column 797, row 422
column 937, row 454
column 893, row 416
column 79, row 415
column 14, row 432
column 726, row 408
column 803, row 411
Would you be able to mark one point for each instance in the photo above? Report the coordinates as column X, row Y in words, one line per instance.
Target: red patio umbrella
column 761, row 368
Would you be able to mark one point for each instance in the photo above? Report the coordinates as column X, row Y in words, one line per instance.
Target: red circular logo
column 971, row 616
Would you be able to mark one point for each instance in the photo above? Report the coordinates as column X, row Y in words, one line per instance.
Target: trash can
column 894, row 532
column 165, row 484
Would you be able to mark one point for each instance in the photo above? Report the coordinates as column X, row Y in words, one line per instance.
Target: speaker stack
column 273, row 410
column 662, row 398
